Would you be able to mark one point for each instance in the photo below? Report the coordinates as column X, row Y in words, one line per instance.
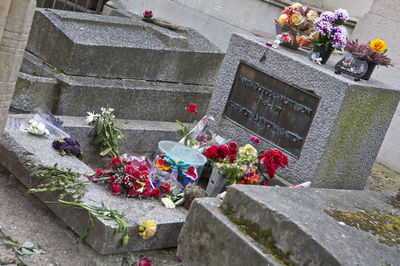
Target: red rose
column 148, row 14
column 232, row 158
column 192, row 108
column 143, row 168
column 155, row 193
column 127, row 181
column 113, row 178
column 132, row 193
column 232, row 148
column 129, row 169
column 211, row 152
column 136, row 175
column 223, row 151
column 146, row 193
column 99, row 172
column 116, row 189
column 147, row 184
column 144, row 262
column 115, row 162
column 165, row 188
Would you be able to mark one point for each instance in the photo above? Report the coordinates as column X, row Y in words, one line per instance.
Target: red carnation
column 146, row 193
column 211, row 152
column 115, row 161
column 148, row 14
column 136, row 175
column 165, row 188
column 155, row 193
column 223, row 151
column 144, row 262
column 99, row 172
column 113, row 178
column 147, row 184
column 116, row 189
column 129, row 169
column 273, row 159
column 192, row 108
column 132, row 192
column 232, row 148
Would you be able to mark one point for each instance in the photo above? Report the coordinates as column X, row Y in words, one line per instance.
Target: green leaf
column 104, row 152
column 180, row 132
column 99, row 139
column 28, row 245
column 99, row 126
column 25, row 251
column 180, row 123
column 121, row 136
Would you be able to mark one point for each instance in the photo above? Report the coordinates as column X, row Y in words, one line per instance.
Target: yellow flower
column 296, row 6
column 148, row 228
column 312, row 15
column 247, row 149
column 296, row 19
column 315, row 36
column 283, row 19
column 378, row 45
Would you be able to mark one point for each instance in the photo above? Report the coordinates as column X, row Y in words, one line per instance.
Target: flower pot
column 289, row 31
column 371, row 67
column 323, row 53
column 216, row 183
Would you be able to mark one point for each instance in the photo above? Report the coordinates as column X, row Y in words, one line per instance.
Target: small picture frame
column 352, row 66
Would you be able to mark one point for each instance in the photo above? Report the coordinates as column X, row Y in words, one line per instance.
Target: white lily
column 169, row 204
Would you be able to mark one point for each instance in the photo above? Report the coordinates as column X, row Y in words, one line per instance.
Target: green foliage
column 59, row 179
column 105, row 133
column 27, row 248
column 236, row 170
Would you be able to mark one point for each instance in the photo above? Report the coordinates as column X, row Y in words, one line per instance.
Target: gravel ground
column 25, row 218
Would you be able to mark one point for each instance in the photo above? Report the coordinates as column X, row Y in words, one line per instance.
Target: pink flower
column 148, row 14
column 255, row 139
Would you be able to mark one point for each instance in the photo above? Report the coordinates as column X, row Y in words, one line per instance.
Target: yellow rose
column 378, row 45
column 147, row 229
column 296, row 19
column 312, row 15
column 297, row 6
column 248, row 149
column 283, row 19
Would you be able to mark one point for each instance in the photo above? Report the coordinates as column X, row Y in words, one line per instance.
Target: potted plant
column 293, row 22
column 330, row 33
column 374, row 53
column 192, row 192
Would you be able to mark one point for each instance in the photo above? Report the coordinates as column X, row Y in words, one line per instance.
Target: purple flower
column 341, row 14
column 328, row 17
column 324, row 27
column 68, row 145
column 268, row 44
column 255, row 139
column 339, row 40
column 339, row 30
column 54, row 120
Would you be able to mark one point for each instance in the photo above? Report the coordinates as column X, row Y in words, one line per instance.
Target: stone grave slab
column 17, row 148
column 121, row 47
column 328, row 125
column 298, row 221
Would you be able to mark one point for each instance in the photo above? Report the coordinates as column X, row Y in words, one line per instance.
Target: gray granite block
column 347, row 129
column 131, row 99
column 120, row 47
column 299, row 223
column 18, row 148
column 209, row 238
column 32, row 92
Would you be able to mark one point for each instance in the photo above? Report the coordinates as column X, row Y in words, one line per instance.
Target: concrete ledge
column 18, row 148
column 209, row 238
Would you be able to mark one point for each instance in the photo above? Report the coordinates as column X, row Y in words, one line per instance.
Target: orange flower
column 378, row 46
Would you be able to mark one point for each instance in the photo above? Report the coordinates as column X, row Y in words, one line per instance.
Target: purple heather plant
column 364, row 52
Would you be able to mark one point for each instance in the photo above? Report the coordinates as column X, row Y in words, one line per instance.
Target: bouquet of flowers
column 330, row 31
column 246, row 166
column 374, row 52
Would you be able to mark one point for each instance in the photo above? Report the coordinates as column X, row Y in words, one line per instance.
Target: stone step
column 121, row 47
column 300, row 224
column 17, row 148
column 208, row 237
column 45, row 86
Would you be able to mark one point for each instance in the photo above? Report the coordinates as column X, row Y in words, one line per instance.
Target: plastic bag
column 43, row 125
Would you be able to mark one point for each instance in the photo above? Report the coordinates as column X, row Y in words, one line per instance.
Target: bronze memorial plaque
column 274, row 110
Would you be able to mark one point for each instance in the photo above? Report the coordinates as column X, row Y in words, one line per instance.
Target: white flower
column 169, row 204
column 90, row 117
column 37, row 128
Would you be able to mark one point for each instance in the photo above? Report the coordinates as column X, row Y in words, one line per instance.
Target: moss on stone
column 264, row 238
column 383, row 225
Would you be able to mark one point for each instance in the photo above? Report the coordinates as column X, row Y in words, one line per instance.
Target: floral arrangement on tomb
column 296, row 25
column 67, row 146
column 105, row 132
column 374, row 52
column 330, row 32
column 245, row 165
